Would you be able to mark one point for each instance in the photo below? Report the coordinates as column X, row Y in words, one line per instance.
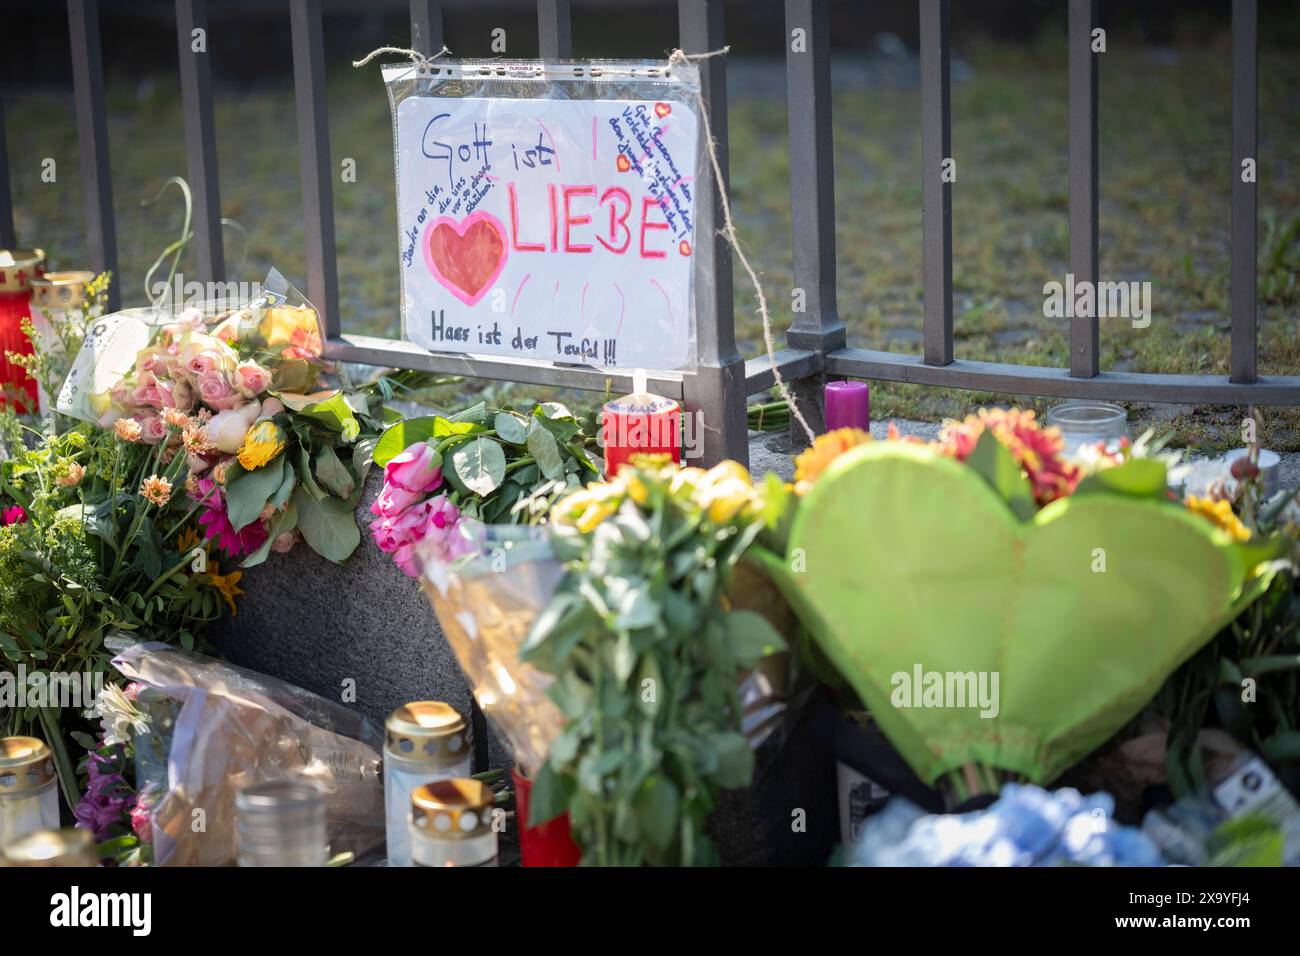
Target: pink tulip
column 418, row 468
column 393, row 531
column 407, row 559
column 393, row 500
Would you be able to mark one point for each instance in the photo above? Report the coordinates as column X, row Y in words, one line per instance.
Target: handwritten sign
column 560, row 230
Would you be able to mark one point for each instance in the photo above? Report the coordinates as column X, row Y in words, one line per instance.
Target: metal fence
column 816, row 345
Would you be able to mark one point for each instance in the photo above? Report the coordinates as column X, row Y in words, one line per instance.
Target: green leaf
column 1249, row 840
column 510, row 428
column 148, row 555
column 751, row 637
column 401, row 436
column 656, row 809
column 996, row 465
column 332, row 473
column 475, row 414
column 735, row 760
column 543, row 447
column 328, row 525
column 305, row 475
column 480, row 465
column 1137, row 477
column 286, row 520
column 363, row 457
column 248, row 494
column 549, row 797
column 282, row 493
column 1282, row 747
column 330, row 409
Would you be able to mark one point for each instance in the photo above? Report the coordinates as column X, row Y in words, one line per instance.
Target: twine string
column 728, row 232
column 423, row 62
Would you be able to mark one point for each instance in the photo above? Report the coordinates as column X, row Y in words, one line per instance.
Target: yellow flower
column 288, row 325
column 227, row 585
column 263, row 442
column 636, row 488
column 1221, row 514
column 724, row 491
column 814, row 460
column 187, row 541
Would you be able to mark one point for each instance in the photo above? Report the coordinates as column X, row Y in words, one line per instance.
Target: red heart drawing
column 466, row 256
column 663, row 109
column 623, row 163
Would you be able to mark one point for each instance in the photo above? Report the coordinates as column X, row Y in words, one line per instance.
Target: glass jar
column 424, row 741
column 54, row 295
column 281, row 823
column 451, row 824
column 29, row 797
column 52, row 848
column 1086, row 423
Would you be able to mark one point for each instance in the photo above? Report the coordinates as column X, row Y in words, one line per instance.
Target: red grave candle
column 640, row 424
column 18, row 267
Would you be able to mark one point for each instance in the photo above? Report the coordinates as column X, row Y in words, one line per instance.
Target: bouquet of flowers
column 1068, row 589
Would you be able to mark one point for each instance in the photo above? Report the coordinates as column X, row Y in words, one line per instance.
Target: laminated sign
column 547, row 212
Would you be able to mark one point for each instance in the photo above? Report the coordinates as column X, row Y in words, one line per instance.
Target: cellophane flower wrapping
column 226, row 728
column 487, row 583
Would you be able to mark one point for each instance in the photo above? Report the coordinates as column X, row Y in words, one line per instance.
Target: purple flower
column 108, row 799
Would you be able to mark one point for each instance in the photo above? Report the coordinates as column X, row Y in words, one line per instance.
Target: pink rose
column 393, row 531
column 152, row 429
column 14, row 515
column 393, row 500
column 252, row 379
column 272, row 406
column 418, row 468
column 217, row 392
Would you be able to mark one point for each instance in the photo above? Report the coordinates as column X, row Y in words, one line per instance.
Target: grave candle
column 848, row 405
column 18, row 267
column 640, row 424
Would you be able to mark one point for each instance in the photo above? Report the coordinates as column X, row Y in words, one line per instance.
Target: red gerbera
column 1037, row 449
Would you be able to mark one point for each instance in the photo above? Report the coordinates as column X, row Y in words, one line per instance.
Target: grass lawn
column 1165, row 167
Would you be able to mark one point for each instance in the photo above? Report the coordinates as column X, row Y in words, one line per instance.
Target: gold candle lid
column 18, row 267
column 426, row 732
column 61, row 290
column 25, row 765
column 453, row 809
column 52, row 848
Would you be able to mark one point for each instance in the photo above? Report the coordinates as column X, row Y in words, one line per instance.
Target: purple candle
column 848, row 405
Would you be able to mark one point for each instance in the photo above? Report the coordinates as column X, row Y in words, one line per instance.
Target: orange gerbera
column 1037, row 449
column 815, row 459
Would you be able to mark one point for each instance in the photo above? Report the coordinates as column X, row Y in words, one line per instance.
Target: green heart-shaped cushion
column 912, row 558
